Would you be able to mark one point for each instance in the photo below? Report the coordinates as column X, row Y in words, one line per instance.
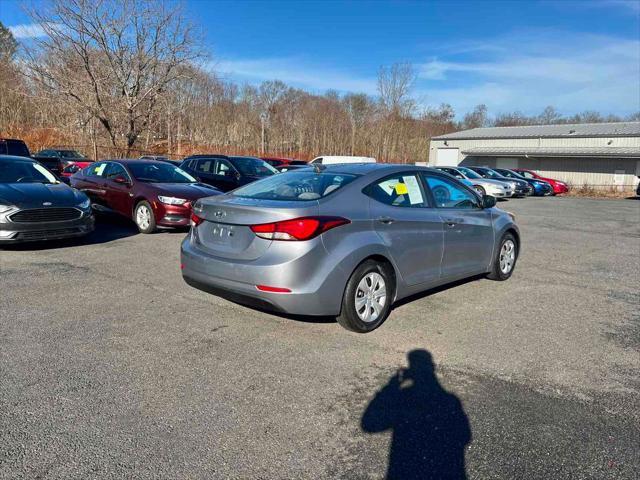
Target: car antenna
column 318, row 168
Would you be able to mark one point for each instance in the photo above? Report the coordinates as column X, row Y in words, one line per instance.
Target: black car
column 540, row 187
column 57, row 160
column 34, row 205
column 522, row 186
column 13, row 146
column 226, row 172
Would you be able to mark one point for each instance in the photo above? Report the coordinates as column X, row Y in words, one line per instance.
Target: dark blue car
column 540, row 187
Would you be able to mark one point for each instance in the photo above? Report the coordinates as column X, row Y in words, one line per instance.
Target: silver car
column 346, row 240
column 484, row 186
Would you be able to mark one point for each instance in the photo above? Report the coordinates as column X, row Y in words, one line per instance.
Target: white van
column 329, row 160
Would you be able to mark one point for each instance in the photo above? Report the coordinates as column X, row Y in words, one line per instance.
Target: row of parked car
column 298, row 242
column 158, row 192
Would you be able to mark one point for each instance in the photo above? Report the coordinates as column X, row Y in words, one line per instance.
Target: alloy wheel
column 143, row 217
column 507, row 256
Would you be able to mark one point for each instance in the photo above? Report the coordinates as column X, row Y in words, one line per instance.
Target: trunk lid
column 225, row 231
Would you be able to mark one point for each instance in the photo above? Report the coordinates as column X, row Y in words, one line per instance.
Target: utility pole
column 263, row 119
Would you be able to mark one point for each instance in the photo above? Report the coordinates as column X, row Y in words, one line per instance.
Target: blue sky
column 510, row 55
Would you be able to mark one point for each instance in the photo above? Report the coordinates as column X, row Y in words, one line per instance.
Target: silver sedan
column 346, row 240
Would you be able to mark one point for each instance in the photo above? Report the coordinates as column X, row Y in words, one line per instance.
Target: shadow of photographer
column 429, row 426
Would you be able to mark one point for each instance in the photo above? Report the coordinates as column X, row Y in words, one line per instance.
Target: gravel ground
column 112, row 367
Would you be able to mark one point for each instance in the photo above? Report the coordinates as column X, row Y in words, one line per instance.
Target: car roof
column 365, row 168
column 134, row 161
column 15, row 158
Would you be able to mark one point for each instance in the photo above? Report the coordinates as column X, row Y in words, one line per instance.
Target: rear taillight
column 298, row 228
column 196, row 220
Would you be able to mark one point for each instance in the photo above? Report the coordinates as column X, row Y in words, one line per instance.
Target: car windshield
column 515, row 174
column 295, row 185
column 489, row 173
column 24, row 172
column 506, row 173
column 253, row 167
column 159, row 173
column 70, row 154
column 469, row 173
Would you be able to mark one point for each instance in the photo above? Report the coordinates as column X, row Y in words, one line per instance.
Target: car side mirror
column 121, row 180
column 488, row 201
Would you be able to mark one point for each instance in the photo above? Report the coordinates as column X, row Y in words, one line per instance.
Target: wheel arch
column 380, row 258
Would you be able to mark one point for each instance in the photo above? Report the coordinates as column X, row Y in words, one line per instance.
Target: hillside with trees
column 121, row 77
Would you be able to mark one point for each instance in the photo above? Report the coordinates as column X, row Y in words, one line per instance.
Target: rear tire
column 367, row 298
column 144, row 217
column 505, row 260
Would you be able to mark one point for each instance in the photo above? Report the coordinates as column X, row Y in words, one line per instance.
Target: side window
column 222, row 167
column 114, row 170
column 205, row 165
column 46, row 153
column 526, row 174
column 3, row 148
column 453, row 172
column 401, row 190
column 449, row 195
column 96, row 170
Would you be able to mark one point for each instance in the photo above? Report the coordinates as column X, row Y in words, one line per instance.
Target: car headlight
column 172, row 200
column 85, row 204
column 5, row 208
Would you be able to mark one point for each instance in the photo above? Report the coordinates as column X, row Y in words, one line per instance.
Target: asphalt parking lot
column 112, row 367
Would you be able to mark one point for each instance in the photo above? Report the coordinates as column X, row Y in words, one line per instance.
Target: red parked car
column 282, row 162
column 74, row 168
column 558, row 186
column 151, row 193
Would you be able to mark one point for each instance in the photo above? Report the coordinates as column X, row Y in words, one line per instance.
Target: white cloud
column 296, row 72
column 28, row 30
column 573, row 72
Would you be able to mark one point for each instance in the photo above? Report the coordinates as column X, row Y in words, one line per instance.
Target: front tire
column 367, row 298
column 144, row 218
column 505, row 260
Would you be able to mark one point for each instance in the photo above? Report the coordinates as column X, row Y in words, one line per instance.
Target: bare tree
column 477, row 118
column 112, row 59
column 394, row 87
column 549, row 116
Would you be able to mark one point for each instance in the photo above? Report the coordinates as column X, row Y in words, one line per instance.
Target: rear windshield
column 253, row 167
column 70, row 154
column 295, row 185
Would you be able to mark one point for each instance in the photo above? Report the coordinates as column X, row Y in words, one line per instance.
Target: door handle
column 452, row 222
column 386, row 220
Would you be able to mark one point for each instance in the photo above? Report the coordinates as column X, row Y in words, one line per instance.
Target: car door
column 468, row 228
column 411, row 230
column 226, row 175
column 203, row 168
column 118, row 196
column 92, row 181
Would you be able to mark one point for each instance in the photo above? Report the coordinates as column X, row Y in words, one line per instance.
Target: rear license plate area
column 220, row 233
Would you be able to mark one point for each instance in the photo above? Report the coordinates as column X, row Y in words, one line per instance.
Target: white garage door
column 447, row 156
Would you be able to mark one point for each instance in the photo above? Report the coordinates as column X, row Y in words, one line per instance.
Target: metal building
column 593, row 154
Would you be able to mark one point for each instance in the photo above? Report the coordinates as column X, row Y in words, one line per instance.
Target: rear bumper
column 11, row 233
column 316, row 286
